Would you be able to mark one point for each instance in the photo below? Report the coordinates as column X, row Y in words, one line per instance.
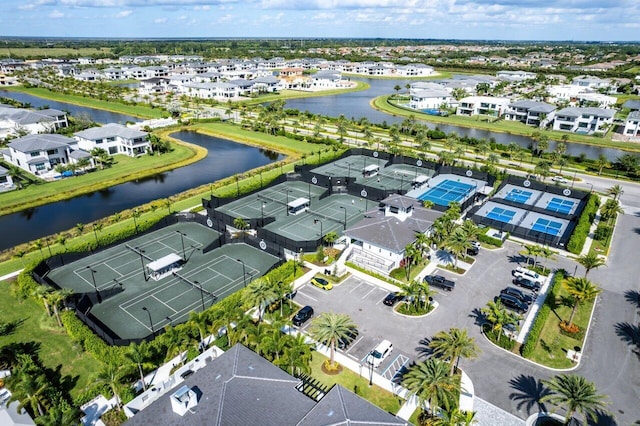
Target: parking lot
column 362, row 301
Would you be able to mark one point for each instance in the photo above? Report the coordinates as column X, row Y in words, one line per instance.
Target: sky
column 586, row 20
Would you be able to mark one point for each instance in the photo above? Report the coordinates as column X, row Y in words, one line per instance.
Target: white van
column 528, row 274
column 378, row 355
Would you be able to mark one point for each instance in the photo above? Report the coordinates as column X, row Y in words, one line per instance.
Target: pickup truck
column 440, row 281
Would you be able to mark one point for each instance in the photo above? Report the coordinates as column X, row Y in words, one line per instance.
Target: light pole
column 93, row 279
column 590, row 184
column 349, row 169
column 262, row 206
column 260, row 179
column 201, row 295
column 316, row 221
column 345, row 216
column 244, row 272
column 370, row 362
column 140, row 252
column 153, row 332
column 237, row 186
column 182, row 235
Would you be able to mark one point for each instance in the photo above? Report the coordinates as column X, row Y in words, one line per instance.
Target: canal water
column 357, row 105
column 225, row 158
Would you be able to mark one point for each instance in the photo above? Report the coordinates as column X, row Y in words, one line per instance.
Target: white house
column 432, row 98
column 222, row 91
column 515, row 75
column 482, row 105
column 16, row 120
column 115, row 139
column 40, row 153
column 381, row 237
column 5, row 180
column 532, row 113
column 583, row 120
column 415, row 70
column 603, row 101
column 564, row 92
column 591, row 82
column 632, row 125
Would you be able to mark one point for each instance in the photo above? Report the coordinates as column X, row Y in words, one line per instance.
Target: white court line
column 154, row 297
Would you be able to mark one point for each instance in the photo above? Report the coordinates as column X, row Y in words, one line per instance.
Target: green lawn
column 52, row 52
column 552, row 346
column 56, row 348
column 359, row 385
column 142, row 111
column 125, row 169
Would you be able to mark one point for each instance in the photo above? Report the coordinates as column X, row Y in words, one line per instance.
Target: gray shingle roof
column 633, row 115
column 242, row 388
column 389, row 232
column 576, row 112
column 3, row 171
column 533, row 106
column 342, row 407
column 632, row 104
column 110, row 130
column 40, row 142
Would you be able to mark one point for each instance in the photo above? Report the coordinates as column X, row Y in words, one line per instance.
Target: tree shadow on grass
column 633, row 297
column 528, row 393
column 630, row 334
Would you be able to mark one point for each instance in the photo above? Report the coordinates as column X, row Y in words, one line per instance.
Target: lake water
column 225, row 158
column 357, row 105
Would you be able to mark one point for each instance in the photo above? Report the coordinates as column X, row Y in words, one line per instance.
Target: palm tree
column 430, row 382
column 138, row 355
column 62, row 240
column 330, row 328
column 470, row 229
column 136, row 215
column 60, row 414
column 454, row 344
column 111, row 375
column 260, row 294
column 298, row 355
column 455, row 417
column 590, row 261
column 582, row 290
column 241, row 225
column 575, row 394
column 43, row 292
column 97, row 227
column 601, row 163
column 411, row 257
column 610, row 210
column 273, row 344
column 79, row 228
column 15, row 173
column 29, row 385
column 200, row 321
column 56, row 298
column 38, row 244
column 457, row 243
column 499, row 317
column 615, row 191
column 19, row 253
column 532, row 251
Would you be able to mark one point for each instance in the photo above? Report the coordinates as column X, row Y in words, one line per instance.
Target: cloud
column 56, row 14
column 124, row 13
column 160, row 21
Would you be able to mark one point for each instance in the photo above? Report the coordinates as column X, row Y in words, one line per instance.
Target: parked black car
column 518, row 294
column 392, row 299
column 440, row 281
column 513, row 303
column 347, row 340
column 526, row 283
column 303, row 315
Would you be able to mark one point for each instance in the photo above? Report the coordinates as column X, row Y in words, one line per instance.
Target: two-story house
column 583, row 120
column 482, row 105
column 632, row 125
column 531, row 113
column 115, row 139
column 37, row 154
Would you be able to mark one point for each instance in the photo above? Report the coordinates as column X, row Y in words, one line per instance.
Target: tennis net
column 196, row 286
column 138, row 252
column 324, row 216
column 273, row 200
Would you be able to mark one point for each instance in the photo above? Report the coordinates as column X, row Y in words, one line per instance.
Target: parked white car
column 528, row 274
column 559, row 179
column 378, row 355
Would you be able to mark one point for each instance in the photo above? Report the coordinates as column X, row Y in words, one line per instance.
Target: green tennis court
column 272, row 202
column 324, row 216
column 132, row 305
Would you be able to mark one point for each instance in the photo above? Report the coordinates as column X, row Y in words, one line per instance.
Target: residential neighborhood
column 298, row 232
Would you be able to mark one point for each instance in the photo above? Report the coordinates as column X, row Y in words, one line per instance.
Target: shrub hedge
column 581, row 231
column 529, row 345
column 484, row 238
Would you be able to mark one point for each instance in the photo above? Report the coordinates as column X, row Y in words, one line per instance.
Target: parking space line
column 306, row 295
column 369, row 292
column 400, row 361
column 356, row 287
column 354, row 343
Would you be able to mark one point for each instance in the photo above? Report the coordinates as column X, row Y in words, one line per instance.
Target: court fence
column 558, row 241
column 83, row 302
